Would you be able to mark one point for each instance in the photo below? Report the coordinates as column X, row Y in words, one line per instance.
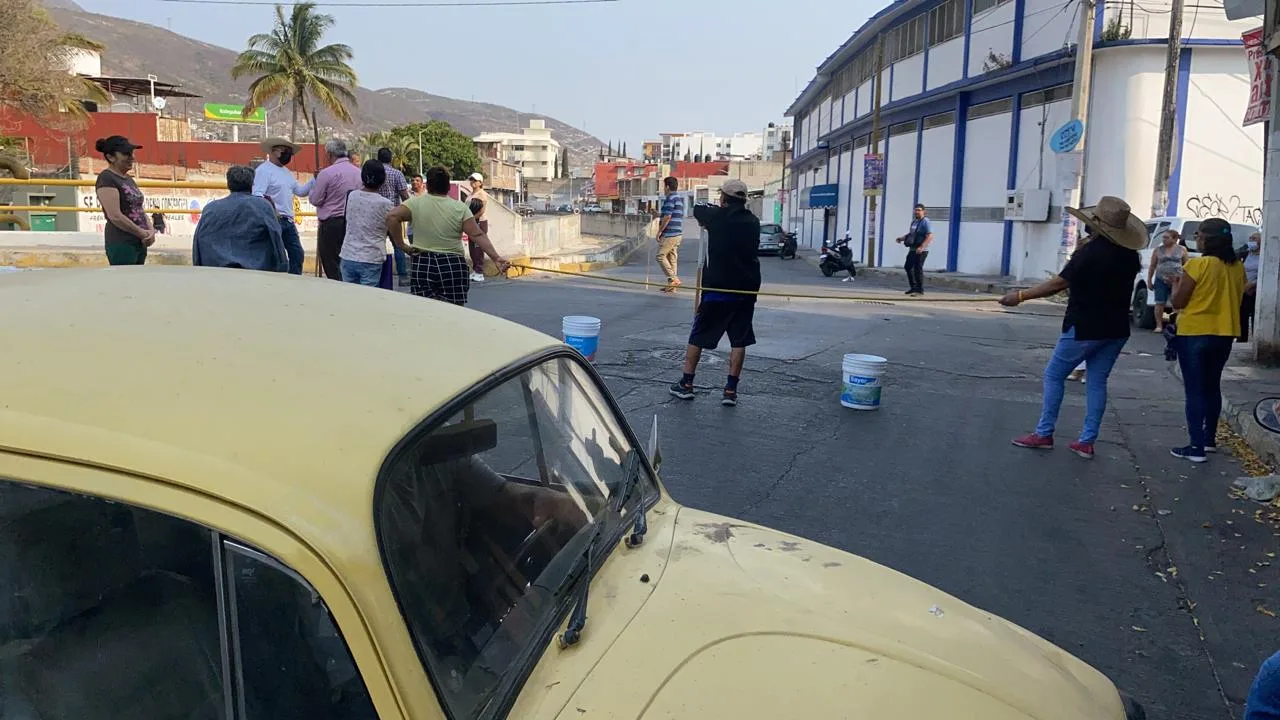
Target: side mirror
column 1267, row 413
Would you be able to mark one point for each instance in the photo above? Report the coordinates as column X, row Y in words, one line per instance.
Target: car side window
column 108, row 612
column 1154, row 231
column 289, row 659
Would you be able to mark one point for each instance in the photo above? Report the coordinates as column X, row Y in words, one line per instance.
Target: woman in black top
column 128, row 233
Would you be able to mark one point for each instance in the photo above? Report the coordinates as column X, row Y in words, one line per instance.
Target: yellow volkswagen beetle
column 238, row 496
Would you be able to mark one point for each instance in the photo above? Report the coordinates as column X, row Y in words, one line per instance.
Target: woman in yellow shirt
column 1207, row 297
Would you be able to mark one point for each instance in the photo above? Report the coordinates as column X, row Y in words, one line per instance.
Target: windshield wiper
column 578, row 618
column 634, row 472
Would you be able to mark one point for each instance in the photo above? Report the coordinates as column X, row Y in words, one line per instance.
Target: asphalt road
column 1140, row 564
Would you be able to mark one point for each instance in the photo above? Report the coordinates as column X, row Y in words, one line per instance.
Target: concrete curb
column 1240, row 417
column 613, row 256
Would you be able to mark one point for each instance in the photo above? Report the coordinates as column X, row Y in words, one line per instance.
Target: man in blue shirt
column 240, row 230
column 670, row 233
column 917, row 241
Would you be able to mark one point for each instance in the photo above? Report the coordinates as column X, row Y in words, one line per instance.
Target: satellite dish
column 158, row 103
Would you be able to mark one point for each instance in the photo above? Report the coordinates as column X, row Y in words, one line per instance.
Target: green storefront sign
column 232, row 113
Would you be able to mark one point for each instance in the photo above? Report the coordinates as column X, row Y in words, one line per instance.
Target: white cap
column 477, row 176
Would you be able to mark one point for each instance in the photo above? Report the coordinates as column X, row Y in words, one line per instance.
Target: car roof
column 279, row 393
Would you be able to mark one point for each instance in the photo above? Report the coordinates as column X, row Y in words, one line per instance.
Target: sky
column 623, row 71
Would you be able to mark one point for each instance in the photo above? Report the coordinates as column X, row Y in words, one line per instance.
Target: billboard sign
column 223, row 112
column 873, row 174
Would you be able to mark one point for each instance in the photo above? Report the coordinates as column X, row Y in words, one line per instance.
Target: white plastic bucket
column 582, row 333
column 860, row 381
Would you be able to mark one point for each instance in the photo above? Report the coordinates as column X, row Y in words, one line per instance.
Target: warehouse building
column 971, row 92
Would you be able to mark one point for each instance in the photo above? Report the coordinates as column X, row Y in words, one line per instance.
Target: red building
column 166, row 152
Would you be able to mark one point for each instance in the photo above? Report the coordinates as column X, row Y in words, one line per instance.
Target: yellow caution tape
column 762, row 293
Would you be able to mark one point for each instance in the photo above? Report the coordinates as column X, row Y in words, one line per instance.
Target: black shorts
column 717, row 317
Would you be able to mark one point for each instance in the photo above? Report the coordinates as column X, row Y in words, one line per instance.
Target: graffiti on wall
column 1229, row 208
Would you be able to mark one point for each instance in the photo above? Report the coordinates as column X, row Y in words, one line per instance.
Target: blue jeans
column 402, row 265
column 1264, row 696
column 1202, row 358
column 361, row 273
column 292, row 244
column 1099, row 357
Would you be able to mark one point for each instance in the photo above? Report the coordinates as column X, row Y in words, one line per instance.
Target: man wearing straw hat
column 273, row 181
column 1095, row 327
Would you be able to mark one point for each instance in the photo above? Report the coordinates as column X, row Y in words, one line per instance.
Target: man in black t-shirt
column 1096, row 324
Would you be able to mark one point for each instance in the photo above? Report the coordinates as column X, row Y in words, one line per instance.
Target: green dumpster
column 44, row 222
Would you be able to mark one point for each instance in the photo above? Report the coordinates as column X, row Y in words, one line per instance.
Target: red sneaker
column 1034, row 441
column 1083, row 449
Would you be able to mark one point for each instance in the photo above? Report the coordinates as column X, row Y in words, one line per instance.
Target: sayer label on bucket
column 860, row 390
column 585, row 345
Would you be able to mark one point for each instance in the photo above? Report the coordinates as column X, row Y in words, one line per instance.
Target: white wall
column 1120, row 157
column 992, row 31
column 899, row 196
column 847, row 105
column 866, row 98
column 986, row 168
column 1046, row 27
column 1221, row 161
column 936, row 156
column 1034, row 251
column 844, row 180
column 1150, row 19
column 908, row 75
column 852, row 206
column 946, row 62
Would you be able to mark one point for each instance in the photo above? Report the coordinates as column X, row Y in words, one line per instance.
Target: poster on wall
column 1259, row 109
column 873, row 174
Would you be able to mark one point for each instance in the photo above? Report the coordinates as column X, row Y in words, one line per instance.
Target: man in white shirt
column 273, row 181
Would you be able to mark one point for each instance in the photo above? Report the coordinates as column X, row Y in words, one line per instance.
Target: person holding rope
column 1095, row 326
column 733, row 237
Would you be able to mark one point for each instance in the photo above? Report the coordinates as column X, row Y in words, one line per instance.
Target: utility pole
column 1079, row 111
column 1266, row 329
column 875, row 150
column 1168, row 108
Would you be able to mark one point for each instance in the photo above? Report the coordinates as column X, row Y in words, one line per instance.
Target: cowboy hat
column 1112, row 219
column 272, row 143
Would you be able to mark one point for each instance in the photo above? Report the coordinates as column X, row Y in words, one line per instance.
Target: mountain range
column 134, row 49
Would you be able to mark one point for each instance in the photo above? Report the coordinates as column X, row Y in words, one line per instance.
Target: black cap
column 1215, row 227
column 115, row 144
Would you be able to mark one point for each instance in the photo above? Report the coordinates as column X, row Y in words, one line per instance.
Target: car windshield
column 484, row 519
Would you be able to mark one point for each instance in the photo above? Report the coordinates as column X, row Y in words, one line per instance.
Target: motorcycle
column 789, row 245
column 836, row 257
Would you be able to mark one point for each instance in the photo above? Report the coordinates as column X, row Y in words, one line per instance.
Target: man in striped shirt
column 670, row 233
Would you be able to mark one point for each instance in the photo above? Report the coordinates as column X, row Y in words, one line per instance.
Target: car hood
column 747, row 622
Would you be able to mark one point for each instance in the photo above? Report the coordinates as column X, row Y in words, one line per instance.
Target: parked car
column 771, row 237
column 482, row 535
column 565, row 209
column 593, row 209
column 524, row 209
column 1142, row 309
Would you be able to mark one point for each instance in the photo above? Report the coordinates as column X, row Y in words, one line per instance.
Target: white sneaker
column 477, row 277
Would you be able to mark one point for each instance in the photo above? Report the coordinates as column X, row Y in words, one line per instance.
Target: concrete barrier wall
column 546, row 234
column 619, row 226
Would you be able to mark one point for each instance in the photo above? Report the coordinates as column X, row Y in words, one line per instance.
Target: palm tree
column 402, row 147
column 290, row 64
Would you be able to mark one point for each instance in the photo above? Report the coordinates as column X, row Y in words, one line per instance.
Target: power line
column 411, row 4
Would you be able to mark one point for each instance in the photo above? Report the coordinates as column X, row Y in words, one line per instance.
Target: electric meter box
column 1027, row 205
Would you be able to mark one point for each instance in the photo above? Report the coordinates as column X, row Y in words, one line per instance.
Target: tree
column 441, row 145
column 564, row 162
column 402, row 147
column 290, row 64
column 624, row 148
column 35, row 56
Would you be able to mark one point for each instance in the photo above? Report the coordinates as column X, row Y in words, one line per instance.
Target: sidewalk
column 995, row 284
column 1244, row 383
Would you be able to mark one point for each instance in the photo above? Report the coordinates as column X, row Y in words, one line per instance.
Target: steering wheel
column 521, row 555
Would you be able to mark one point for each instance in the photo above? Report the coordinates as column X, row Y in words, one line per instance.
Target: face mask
column 1253, row 247
column 285, row 156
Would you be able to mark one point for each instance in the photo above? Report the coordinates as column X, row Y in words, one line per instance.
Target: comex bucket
column 860, row 381
column 582, row 333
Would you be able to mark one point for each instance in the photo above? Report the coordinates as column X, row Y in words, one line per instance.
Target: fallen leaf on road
column 1138, row 629
column 1263, row 609
column 1164, row 512
column 1206, row 525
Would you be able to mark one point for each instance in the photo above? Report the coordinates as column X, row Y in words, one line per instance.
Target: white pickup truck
column 1142, row 309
